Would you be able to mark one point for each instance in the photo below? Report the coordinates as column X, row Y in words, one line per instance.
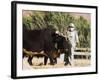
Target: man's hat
column 72, row 25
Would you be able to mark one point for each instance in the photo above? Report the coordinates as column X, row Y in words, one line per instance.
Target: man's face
column 71, row 29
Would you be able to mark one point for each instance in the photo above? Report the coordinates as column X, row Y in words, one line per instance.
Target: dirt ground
column 38, row 63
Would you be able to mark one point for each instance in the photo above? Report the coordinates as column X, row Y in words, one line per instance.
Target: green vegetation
column 60, row 22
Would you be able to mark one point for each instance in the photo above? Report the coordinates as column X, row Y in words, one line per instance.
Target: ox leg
column 24, row 54
column 55, row 60
column 30, row 60
column 66, row 58
column 45, row 60
column 51, row 62
column 51, row 58
column 67, row 61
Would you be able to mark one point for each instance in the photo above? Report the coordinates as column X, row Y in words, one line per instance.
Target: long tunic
column 73, row 37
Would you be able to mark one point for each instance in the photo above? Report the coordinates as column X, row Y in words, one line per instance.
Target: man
column 73, row 38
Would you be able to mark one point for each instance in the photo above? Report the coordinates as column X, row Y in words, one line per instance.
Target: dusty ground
column 38, row 63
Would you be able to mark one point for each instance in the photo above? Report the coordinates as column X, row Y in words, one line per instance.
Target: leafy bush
column 60, row 22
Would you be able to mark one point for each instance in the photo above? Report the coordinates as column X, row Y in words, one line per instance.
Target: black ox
column 46, row 43
column 37, row 41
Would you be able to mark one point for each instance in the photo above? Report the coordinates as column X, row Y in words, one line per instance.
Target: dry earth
column 38, row 63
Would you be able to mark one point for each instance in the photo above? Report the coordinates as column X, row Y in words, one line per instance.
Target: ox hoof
column 66, row 64
column 30, row 63
column 51, row 63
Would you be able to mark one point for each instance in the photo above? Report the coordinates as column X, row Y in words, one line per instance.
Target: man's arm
column 77, row 38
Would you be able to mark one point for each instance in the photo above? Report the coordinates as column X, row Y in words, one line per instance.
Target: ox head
column 61, row 41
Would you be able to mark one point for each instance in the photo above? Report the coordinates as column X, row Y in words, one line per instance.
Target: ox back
column 38, row 40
